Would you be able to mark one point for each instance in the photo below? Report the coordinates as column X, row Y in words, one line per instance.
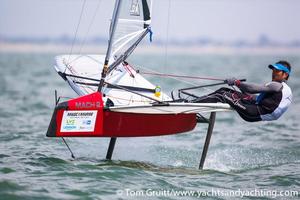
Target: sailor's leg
column 247, row 109
column 247, row 116
column 217, row 96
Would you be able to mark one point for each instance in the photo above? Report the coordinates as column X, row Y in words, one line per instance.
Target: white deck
column 173, row 108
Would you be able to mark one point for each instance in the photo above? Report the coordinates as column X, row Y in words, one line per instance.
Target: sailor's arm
column 255, row 88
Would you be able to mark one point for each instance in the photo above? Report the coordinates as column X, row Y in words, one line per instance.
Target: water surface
column 242, row 156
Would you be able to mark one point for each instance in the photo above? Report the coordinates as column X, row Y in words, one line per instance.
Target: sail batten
column 133, row 19
column 127, row 39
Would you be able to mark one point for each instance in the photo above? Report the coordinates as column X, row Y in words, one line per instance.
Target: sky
column 225, row 20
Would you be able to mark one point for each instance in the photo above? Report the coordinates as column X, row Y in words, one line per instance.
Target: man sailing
column 272, row 101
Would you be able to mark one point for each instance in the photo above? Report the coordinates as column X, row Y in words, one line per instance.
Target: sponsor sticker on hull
column 78, row 121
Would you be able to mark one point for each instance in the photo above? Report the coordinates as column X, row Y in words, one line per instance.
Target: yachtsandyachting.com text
column 208, row 193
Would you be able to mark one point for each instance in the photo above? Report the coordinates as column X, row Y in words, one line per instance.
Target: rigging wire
column 78, row 24
column 90, row 25
column 178, row 78
column 167, row 34
column 167, row 37
column 175, row 78
column 182, row 76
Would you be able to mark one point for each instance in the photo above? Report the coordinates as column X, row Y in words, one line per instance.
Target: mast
column 108, row 52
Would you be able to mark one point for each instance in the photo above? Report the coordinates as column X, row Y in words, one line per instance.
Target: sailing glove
column 230, row 81
column 233, row 81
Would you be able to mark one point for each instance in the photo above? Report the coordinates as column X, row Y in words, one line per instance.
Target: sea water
column 251, row 160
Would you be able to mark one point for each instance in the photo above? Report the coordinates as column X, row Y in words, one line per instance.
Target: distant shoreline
column 147, row 49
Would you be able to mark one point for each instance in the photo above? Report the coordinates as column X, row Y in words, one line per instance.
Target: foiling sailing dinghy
column 115, row 100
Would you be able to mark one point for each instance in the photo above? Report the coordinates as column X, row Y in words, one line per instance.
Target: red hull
column 86, row 117
column 117, row 124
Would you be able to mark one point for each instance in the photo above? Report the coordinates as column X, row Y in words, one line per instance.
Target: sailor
column 271, row 101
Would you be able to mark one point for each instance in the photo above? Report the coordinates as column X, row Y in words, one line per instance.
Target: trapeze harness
column 273, row 100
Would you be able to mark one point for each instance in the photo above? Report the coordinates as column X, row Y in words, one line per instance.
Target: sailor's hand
column 233, row 81
column 230, row 81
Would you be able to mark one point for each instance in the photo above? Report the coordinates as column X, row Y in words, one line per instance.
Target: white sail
column 87, row 66
column 133, row 20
